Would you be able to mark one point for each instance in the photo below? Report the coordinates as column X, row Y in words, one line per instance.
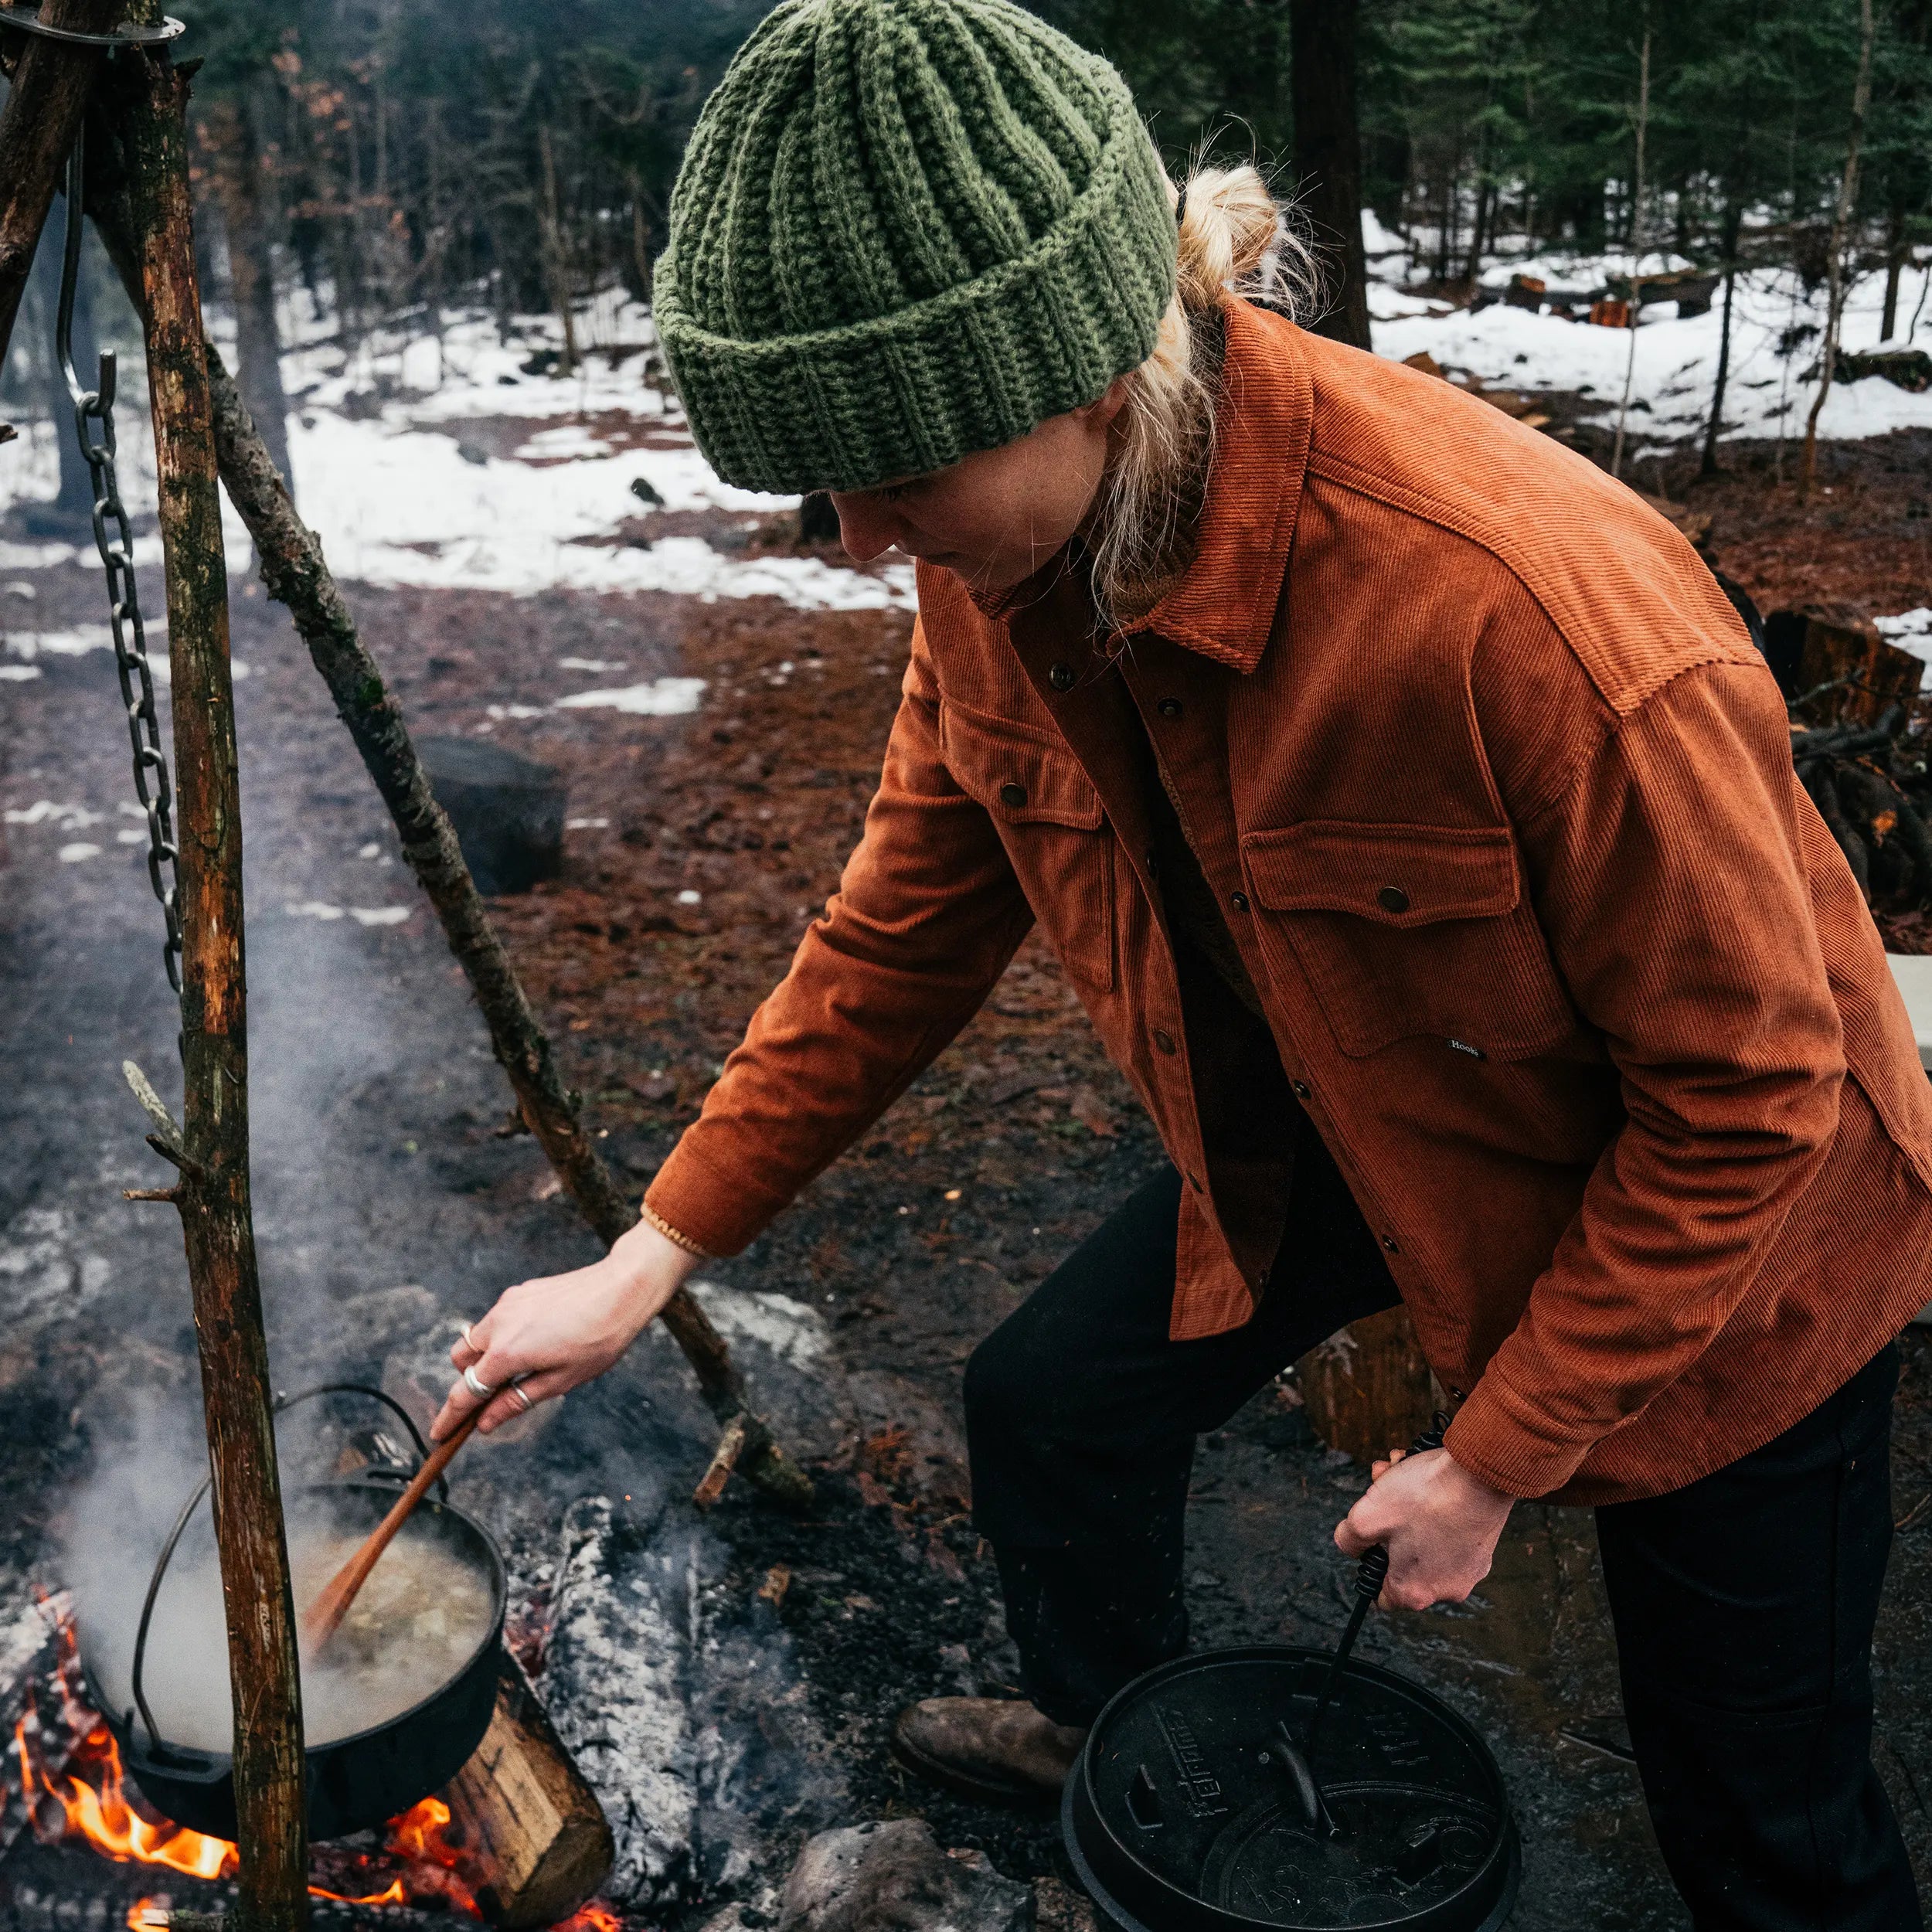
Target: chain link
column 93, row 411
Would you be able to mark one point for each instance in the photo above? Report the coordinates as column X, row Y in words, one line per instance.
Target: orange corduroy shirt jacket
column 1498, row 799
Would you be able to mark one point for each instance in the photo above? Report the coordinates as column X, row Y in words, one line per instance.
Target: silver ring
column 524, row 1404
column 477, row 1386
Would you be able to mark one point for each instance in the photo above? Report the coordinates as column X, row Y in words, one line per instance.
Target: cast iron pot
column 1184, row 1814
column 357, row 1782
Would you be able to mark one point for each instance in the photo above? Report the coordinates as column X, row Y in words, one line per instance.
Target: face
column 996, row 515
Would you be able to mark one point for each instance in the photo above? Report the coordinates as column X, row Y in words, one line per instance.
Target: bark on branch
column 211, row 1148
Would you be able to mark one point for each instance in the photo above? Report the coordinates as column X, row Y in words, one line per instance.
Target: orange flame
column 100, row 1813
column 93, row 1800
column 597, row 1917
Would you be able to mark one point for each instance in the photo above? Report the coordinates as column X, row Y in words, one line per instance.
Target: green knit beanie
column 905, row 230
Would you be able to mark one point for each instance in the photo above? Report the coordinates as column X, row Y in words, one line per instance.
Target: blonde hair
column 1235, row 239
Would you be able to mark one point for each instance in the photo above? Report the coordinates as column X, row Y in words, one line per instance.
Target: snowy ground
column 450, row 464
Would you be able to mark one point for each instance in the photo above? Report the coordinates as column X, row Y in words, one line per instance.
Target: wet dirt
column 382, row 1155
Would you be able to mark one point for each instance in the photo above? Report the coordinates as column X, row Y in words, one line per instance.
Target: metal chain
column 93, row 406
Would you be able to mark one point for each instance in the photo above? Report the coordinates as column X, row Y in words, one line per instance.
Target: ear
column 1107, row 405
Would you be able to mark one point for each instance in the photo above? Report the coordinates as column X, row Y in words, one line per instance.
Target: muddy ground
column 381, row 1160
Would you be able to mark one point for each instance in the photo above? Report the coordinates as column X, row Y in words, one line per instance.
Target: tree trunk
column 1328, row 153
column 1636, row 247
column 1367, row 1389
column 251, row 270
column 1848, row 194
column 1897, row 249
column 51, row 83
column 550, row 236
column 1733, row 224
column 213, row 1191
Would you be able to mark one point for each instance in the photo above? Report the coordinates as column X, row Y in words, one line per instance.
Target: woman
column 1418, row 826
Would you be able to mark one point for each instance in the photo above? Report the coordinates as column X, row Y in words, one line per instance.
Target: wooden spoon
column 322, row 1618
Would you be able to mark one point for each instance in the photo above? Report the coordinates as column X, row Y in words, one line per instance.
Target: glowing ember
column 597, row 1917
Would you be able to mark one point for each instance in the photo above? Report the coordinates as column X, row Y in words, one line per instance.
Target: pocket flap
column 1395, row 875
column 1021, row 776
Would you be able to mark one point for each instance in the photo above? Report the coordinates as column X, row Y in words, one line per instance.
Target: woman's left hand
column 1438, row 1522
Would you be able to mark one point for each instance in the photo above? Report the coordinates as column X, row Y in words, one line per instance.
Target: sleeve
column 1669, row 883
column 927, row 915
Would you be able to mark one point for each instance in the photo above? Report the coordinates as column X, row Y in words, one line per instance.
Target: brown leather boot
column 998, row 1749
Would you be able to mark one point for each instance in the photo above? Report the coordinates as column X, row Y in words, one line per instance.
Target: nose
column 867, row 526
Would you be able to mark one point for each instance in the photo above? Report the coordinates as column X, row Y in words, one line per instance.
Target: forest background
column 403, row 158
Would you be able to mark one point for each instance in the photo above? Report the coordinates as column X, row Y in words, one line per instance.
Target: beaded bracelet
column 673, row 1236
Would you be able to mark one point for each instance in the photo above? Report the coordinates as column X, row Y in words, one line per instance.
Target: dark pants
column 1743, row 1603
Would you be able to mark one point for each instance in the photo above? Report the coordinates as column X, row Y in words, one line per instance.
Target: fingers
column 1349, row 1538
column 495, row 1373
column 512, row 1403
column 473, row 1344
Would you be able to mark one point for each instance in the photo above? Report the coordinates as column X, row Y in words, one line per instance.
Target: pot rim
column 190, row 1760
column 1078, row 1804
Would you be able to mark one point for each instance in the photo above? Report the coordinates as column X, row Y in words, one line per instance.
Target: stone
column 892, row 1877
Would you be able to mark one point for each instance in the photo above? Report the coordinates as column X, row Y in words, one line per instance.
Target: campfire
column 68, row 1777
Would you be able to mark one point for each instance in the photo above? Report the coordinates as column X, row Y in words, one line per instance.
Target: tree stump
column 1839, row 666
column 508, row 811
column 1367, row 1389
column 531, row 1839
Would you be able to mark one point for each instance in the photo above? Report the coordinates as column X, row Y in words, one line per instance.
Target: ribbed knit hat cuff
column 975, row 366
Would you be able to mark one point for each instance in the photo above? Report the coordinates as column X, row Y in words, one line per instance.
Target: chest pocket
column 1409, row 930
column 1051, row 824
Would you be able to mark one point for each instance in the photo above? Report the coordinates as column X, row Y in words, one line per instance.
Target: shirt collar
column 1224, row 605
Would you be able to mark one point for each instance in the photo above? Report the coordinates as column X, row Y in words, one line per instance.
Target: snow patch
column 661, row 698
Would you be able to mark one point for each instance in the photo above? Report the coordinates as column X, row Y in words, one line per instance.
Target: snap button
column 1169, row 707
column 1388, row 1242
column 1301, row 1090
column 1392, row 898
column 1240, row 902
column 1061, row 677
column 1153, row 866
column 1165, row 1041
column 1012, row 794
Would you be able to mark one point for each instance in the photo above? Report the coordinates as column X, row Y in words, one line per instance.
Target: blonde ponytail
column 1235, row 239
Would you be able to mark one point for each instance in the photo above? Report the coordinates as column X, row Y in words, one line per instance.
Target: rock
column 508, row 811
column 892, row 1877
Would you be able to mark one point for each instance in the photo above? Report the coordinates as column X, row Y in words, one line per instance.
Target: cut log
column 531, row 1839
column 1846, row 673
column 1367, row 1390
column 508, row 811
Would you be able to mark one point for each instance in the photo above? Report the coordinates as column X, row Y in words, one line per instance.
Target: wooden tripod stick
column 323, row 1617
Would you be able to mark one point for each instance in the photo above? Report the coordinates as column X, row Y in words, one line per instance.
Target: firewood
column 531, row 1839
column 1367, row 1390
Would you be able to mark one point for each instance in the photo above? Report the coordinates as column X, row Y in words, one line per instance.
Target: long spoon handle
column 324, row 1617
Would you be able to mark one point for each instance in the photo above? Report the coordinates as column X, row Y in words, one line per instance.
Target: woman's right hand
column 563, row 1330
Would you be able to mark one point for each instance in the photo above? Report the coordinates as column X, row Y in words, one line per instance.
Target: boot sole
column 1013, row 1794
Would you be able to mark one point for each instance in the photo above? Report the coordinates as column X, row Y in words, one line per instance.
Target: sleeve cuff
column 1497, row 1436
column 718, row 1214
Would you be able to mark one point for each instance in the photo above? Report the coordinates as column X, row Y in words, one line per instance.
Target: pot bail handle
column 160, row 1750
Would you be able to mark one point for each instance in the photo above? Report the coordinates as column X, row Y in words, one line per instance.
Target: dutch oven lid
column 1184, row 1813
